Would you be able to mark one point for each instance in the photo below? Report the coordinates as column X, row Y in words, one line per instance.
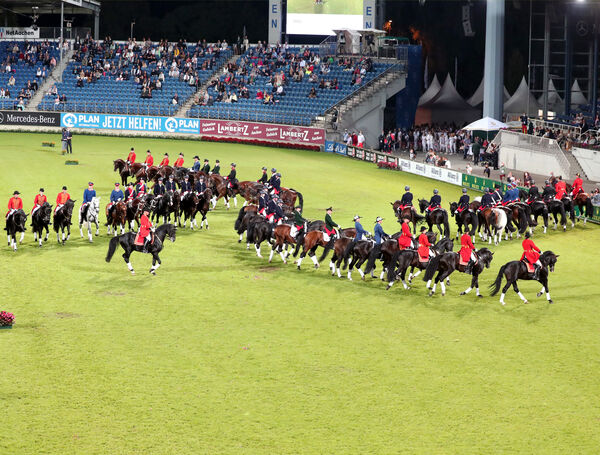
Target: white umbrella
column 485, row 124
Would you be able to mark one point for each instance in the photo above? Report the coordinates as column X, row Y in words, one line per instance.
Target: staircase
column 185, row 107
column 575, row 166
column 353, row 110
column 55, row 76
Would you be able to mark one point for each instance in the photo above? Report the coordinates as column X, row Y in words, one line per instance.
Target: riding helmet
column 435, row 191
column 233, row 164
column 64, row 188
column 407, row 188
column 273, row 170
column 264, row 168
column 356, row 217
column 41, row 190
column 278, row 174
column 298, row 207
column 16, row 192
column 378, row 219
column 423, row 228
column 464, row 191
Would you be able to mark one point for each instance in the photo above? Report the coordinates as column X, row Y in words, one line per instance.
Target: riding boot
column 146, row 247
column 469, row 267
column 536, row 272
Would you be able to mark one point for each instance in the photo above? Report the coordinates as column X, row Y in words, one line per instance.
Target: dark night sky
column 439, row 24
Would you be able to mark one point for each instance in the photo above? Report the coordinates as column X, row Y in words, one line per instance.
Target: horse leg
column 284, row 255
column 235, row 201
column 272, row 252
column 516, row 288
column 314, row 257
column 257, row 248
column 80, row 228
column 47, row 234
column 129, row 266
column 358, row 266
column 90, row 231
column 155, row 263
column 68, row 231
column 58, row 236
column 350, row 267
column 299, row 261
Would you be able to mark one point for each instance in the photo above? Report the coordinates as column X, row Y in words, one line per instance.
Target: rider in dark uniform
column 206, row 167
column 486, row 200
column 200, row 186
column 231, row 177
column 407, row 198
column 263, row 177
column 159, row 189
column 196, row 166
column 463, row 202
column 549, row 192
column 170, row 185
column 497, row 195
column 299, row 221
column 272, row 178
column 217, row 168
column 274, row 211
column 186, row 186
column 435, row 201
column 534, row 193
column 276, row 185
column 263, row 202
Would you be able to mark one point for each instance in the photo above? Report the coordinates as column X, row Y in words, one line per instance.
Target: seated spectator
column 21, row 105
column 79, row 82
column 11, row 81
column 312, row 93
column 175, row 99
column 596, row 197
column 260, row 95
column 57, row 100
column 34, row 85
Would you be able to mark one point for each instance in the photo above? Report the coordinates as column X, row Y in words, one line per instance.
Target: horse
column 241, row 223
column 62, row 221
column 282, row 236
column 259, row 230
column 515, row 214
column 146, row 173
column 556, row 208
column 446, row 263
column 164, row 172
column 89, row 215
column 127, row 242
column 410, row 258
column 218, row 187
column 583, row 202
column 203, row 206
column 163, row 206
column 312, row 240
column 15, row 223
column 569, row 208
column 464, row 218
column 122, row 168
column 539, row 208
column 134, row 211
column 289, row 196
column 249, row 190
column 407, row 212
column 517, row 270
column 189, row 207
column 359, row 251
column 438, row 217
column 40, row 220
column 339, row 247
column 494, row 221
column 117, row 218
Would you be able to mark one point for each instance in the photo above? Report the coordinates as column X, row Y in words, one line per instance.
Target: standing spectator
column 360, row 139
column 502, row 171
column 69, row 139
column 476, row 148
column 486, row 170
column 526, row 179
column 64, row 137
column 524, row 123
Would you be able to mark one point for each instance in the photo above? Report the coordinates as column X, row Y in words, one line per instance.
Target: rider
column 330, row 225
column 299, row 221
column 272, row 178
column 487, row 200
column 129, row 192
column 186, row 186
column 140, row 188
column 231, row 180
column 463, row 202
column 116, row 195
column 149, row 161
column 200, row 186
column 549, row 192
column 561, row 188
column 179, row 161
column 165, row 161
column 424, row 244
column 467, row 252
column 531, row 255
column 511, row 195
column 88, row 194
column 435, row 201
column 407, row 198
column 405, row 240
column 217, row 168
column 206, row 167
column 39, row 200
column 170, row 185
column 159, row 188
column 263, row 202
column 196, row 165
column 577, row 186
column 61, row 199
column 497, row 195
column 274, row 211
column 534, row 193
column 276, row 183
column 359, row 229
column 145, row 229
column 378, row 231
column 263, row 177
column 131, row 156
column 14, row 203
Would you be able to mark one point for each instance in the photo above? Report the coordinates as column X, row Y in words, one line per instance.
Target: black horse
column 517, row 270
column 447, row 263
column 438, row 217
column 259, row 230
column 127, row 242
column 539, row 208
column 203, row 206
column 402, row 260
column 15, row 223
column 241, row 223
column 162, row 206
column 465, row 218
column 569, row 209
column 62, row 221
column 40, row 220
column 556, row 208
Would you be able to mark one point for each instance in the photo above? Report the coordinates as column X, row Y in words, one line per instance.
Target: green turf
column 222, row 353
column 327, row 7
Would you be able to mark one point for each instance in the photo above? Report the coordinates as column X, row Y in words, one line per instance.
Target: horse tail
column 446, row 227
column 326, row 250
column 250, row 232
column 238, row 221
column 495, row 287
column 432, row 267
column 300, row 199
column 112, row 246
column 392, row 267
column 373, row 255
column 346, row 254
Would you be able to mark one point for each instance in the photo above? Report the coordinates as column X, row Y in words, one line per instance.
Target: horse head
column 453, row 207
column 118, row 165
column 485, row 256
column 45, row 212
column 423, row 205
column 171, row 232
column 548, row 258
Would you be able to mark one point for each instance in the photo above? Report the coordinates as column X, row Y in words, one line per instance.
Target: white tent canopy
column 446, row 107
column 448, row 97
column 431, row 91
column 555, row 102
column 577, row 96
column 522, row 101
column 485, row 124
column 477, row 97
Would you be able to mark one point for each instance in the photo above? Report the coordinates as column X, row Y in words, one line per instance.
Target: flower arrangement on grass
column 6, row 319
column 386, row 165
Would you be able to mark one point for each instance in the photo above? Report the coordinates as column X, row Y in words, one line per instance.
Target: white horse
column 93, row 210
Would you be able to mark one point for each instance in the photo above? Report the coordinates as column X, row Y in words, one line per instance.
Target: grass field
column 327, row 7
column 222, row 353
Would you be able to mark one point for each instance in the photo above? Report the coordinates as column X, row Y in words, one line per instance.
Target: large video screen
column 321, row 17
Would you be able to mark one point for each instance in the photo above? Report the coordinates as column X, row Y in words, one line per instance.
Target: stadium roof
column 51, row 6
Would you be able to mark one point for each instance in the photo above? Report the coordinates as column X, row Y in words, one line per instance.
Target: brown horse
column 312, row 240
column 117, row 218
column 122, row 168
column 283, row 239
column 218, row 186
column 146, row 173
column 407, row 212
column 289, row 196
column 203, row 206
column 339, row 247
column 164, row 172
column 249, row 190
column 584, row 202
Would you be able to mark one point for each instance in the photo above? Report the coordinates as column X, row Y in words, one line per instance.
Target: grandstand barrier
column 130, row 122
column 29, row 118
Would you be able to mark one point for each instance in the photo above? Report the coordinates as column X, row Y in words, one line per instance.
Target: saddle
column 530, row 267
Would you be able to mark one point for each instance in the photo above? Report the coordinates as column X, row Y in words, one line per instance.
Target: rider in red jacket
column 405, row 240
column 467, row 252
column 145, row 229
column 531, row 254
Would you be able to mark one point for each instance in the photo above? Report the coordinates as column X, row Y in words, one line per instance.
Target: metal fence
column 563, row 127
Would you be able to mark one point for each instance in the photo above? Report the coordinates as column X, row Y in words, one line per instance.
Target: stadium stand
column 123, row 78
column 24, row 63
column 248, row 89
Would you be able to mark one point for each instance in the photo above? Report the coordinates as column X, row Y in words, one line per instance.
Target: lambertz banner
column 263, row 131
column 29, row 118
column 131, row 123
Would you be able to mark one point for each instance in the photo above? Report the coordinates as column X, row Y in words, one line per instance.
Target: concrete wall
column 589, row 160
column 529, row 160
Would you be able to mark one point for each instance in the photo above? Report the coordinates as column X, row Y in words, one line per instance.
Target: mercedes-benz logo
column 582, row 28
column 1, row 117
